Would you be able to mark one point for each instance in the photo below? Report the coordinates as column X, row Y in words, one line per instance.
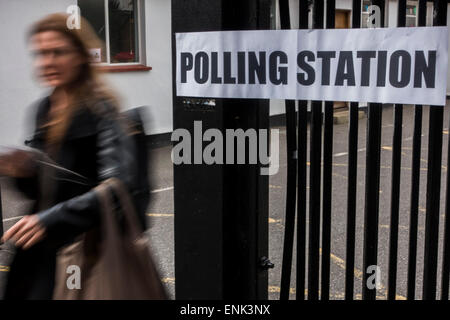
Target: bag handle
column 130, row 217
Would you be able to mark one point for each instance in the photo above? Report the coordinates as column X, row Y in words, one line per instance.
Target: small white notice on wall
column 384, row 65
column 96, row 55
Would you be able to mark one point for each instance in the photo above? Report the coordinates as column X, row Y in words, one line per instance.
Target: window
column 117, row 24
column 411, row 14
column 365, row 12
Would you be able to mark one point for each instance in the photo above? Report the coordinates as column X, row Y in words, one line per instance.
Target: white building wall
column 151, row 88
column 17, row 87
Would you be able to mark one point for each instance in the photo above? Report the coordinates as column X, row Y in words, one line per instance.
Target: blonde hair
column 87, row 89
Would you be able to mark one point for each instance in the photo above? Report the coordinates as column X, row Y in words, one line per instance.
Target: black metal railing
column 320, row 182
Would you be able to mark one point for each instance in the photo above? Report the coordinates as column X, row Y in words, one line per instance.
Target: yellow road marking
column 274, row 220
column 160, row 214
column 389, row 148
column 358, row 274
column 425, row 169
column 275, row 289
column 341, row 263
column 425, row 211
column 168, row 280
column 385, row 226
column 339, row 164
column 335, row 296
column 358, row 296
column 4, row 268
column 161, row 190
column 339, row 175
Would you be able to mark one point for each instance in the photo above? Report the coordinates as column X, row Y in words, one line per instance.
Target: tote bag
column 114, row 263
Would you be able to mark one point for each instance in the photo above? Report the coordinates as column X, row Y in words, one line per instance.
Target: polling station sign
column 385, row 65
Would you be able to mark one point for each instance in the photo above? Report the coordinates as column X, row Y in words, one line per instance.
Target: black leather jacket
column 95, row 146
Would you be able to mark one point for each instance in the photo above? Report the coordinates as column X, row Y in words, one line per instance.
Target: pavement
column 161, row 209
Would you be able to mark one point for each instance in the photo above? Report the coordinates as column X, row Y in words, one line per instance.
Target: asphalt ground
column 161, row 209
column 339, row 207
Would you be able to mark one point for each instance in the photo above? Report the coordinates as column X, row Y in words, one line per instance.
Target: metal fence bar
column 414, row 204
column 301, row 170
column 372, row 176
column 415, row 181
column 395, row 199
column 422, row 14
column 352, row 176
column 327, row 194
column 315, row 173
column 291, row 177
column 301, row 211
column 433, row 203
column 446, row 255
column 433, row 180
column 327, row 176
column 401, row 14
column 314, row 200
column 371, row 210
column 395, row 182
column 290, row 199
column 351, row 200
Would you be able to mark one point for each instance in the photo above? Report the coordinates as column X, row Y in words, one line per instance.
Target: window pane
column 411, row 13
column 365, row 13
column 94, row 12
column 123, row 31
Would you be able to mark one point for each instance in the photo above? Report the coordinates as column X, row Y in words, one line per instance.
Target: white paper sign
column 385, row 65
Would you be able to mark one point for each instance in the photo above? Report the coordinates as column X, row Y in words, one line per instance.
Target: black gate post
column 221, row 211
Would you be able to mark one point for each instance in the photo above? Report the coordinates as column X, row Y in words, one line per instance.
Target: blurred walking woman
column 78, row 127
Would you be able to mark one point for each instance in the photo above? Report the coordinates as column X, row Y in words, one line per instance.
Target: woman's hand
column 16, row 164
column 25, row 233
